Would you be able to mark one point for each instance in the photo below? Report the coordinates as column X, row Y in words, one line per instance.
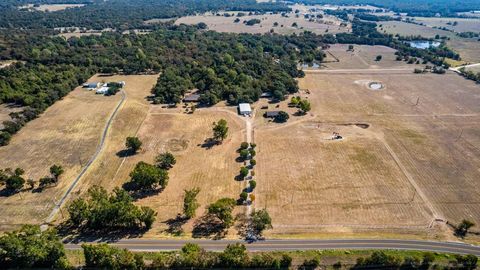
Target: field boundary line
column 412, row 181
column 60, row 204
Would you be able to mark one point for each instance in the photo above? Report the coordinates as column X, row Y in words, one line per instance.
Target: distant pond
column 423, row 44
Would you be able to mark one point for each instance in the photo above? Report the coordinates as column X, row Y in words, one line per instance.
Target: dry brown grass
column 67, row 134
column 463, row 24
column 227, row 24
column 362, row 57
column 315, row 185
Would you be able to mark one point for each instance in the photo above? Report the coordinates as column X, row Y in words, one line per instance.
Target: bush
column 105, row 256
column 253, row 184
column 243, row 196
column 253, row 162
column 30, row 247
column 165, row 161
column 235, row 255
column 243, row 172
column 244, row 145
column 133, row 144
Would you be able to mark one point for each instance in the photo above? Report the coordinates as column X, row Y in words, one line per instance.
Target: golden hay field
column 328, row 24
column 364, row 182
column 67, row 134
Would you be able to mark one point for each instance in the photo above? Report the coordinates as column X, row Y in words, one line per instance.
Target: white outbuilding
column 244, row 109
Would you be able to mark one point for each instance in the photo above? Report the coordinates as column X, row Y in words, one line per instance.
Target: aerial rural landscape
column 304, row 134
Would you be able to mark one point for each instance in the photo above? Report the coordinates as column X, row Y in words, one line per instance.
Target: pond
column 423, row 44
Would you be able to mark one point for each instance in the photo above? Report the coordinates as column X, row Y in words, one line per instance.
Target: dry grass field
column 227, row 24
column 362, row 57
column 367, row 180
column 467, row 48
column 463, row 24
column 67, row 134
column 212, row 170
column 52, row 7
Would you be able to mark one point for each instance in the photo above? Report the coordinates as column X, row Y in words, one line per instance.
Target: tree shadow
column 208, row 143
column 209, row 227
column 75, row 235
column 8, row 192
column 136, row 193
column 175, row 225
column 125, row 153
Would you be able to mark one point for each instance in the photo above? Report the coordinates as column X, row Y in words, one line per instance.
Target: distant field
column 463, row 25
column 362, row 57
column 328, row 24
column 53, row 7
column 315, row 185
column 467, row 48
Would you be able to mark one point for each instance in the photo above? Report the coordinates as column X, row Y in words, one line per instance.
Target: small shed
column 192, row 98
column 271, row 114
column 90, row 86
column 244, row 109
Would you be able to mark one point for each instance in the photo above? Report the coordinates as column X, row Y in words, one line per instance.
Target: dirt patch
column 177, row 145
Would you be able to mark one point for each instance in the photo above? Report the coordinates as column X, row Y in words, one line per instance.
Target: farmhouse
column 192, row 98
column 244, row 109
column 271, row 114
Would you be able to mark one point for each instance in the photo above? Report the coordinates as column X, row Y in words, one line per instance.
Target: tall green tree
column 261, row 220
column 147, row 176
column 190, row 203
column 220, row 130
column 165, row 160
column 133, row 144
column 56, row 171
column 222, row 209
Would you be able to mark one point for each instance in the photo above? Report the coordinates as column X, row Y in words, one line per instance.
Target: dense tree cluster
column 30, row 247
column 100, row 210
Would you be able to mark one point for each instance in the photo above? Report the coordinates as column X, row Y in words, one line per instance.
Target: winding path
column 72, row 186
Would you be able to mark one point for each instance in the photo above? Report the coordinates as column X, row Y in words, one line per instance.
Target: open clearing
column 462, row 24
column 362, row 57
column 67, row 134
column 328, row 24
column 52, row 7
column 367, row 180
column 467, row 48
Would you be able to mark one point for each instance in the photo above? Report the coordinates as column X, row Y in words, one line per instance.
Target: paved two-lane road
column 291, row 244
